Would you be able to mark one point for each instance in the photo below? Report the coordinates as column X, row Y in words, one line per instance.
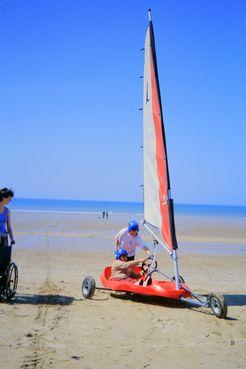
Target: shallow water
column 87, row 232
column 215, row 248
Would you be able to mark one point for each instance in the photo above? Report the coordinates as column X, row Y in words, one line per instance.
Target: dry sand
column 48, row 325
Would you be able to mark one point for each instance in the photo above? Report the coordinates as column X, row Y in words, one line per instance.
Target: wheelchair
column 8, row 274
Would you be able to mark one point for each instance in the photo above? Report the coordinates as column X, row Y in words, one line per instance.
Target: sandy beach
column 49, row 325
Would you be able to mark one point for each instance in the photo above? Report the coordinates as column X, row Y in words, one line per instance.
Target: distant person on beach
column 123, row 269
column 128, row 239
column 5, row 223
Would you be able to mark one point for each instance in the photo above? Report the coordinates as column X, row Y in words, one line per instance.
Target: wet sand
column 48, row 325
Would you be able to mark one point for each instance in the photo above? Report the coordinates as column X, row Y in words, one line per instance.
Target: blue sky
column 70, row 93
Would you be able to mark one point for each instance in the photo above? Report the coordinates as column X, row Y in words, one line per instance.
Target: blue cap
column 119, row 253
column 133, row 226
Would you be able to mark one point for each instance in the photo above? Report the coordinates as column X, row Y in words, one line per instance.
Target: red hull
column 156, row 288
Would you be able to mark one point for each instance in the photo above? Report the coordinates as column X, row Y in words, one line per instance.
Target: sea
column 136, row 208
column 87, row 206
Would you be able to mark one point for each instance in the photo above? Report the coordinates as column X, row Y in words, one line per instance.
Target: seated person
column 123, row 269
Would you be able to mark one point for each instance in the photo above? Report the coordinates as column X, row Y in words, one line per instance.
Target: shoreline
column 178, row 213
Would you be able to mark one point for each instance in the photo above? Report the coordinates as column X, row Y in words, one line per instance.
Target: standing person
column 128, row 239
column 5, row 223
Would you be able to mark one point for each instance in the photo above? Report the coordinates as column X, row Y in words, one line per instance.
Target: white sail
column 158, row 207
column 151, row 183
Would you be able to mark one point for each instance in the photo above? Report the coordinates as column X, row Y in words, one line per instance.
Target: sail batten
column 158, row 206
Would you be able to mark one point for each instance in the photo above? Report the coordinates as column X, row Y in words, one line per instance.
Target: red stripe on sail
column 160, row 159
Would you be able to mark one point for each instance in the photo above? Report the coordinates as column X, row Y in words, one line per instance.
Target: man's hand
column 12, row 242
column 146, row 259
column 141, row 261
column 148, row 252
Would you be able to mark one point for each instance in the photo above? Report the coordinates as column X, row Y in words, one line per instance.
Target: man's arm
column 143, row 245
column 117, row 240
column 116, row 244
column 129, row 264
column 147, row 250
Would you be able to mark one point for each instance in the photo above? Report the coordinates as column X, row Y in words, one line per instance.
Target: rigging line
column 158, row 239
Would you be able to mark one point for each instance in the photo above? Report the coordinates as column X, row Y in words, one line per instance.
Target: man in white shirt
column 128, row 239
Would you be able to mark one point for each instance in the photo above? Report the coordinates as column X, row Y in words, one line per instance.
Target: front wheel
column 181, row 279
column 88, row 287
column 218, row 305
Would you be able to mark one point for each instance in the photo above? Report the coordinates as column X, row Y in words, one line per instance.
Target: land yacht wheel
column 88, row 287
column 11, row 281
column 218, row 305
column 181, row 279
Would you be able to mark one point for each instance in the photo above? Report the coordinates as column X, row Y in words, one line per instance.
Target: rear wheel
column 218, row 305
column 11, row 281
column 88, row 287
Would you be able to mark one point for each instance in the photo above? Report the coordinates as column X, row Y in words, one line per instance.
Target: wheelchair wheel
column 11, row 281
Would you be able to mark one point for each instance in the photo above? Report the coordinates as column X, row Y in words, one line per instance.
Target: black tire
column 181, row 279
column 11, row 281
column 88, row 287
column 218, row 305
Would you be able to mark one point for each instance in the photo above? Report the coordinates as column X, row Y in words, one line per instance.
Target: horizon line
column 122, row 201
